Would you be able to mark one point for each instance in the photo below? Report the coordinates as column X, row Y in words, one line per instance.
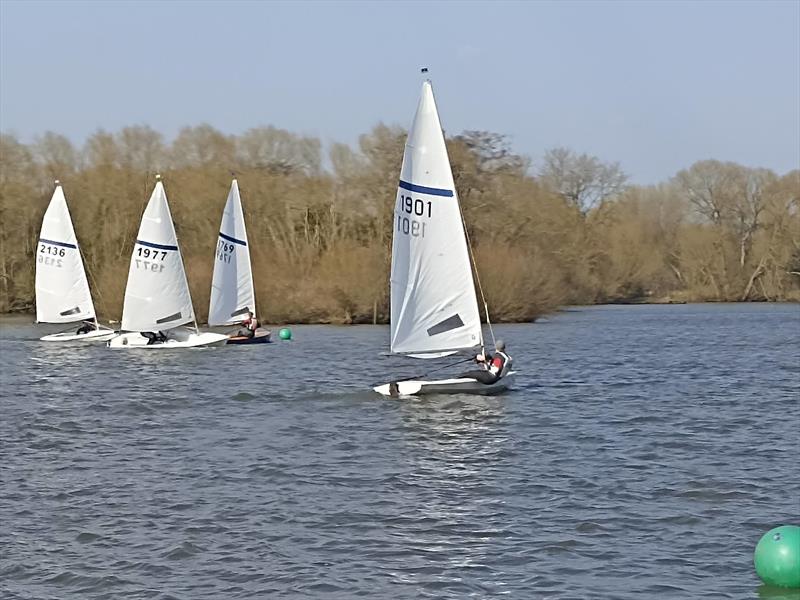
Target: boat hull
column 261, row 337
column 176, row 338
column 459, row 385
column 97, row 335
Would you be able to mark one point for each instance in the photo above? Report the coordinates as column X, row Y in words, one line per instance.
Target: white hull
column 461, row 385
column 176, row 338
column 97, row 335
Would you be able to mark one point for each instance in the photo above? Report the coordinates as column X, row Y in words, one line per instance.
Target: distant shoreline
column 20, row 316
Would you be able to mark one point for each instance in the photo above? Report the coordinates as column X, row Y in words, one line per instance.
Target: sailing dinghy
column 62, row 290
column 434, row 309
column 232, row 293
column 157, row 301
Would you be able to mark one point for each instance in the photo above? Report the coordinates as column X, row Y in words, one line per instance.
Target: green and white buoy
column 777, row 557
column 285, row 333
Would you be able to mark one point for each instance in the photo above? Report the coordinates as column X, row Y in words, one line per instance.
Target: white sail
column 434, row 308
column 157, row 295
column 232, row 293
column 62, row 291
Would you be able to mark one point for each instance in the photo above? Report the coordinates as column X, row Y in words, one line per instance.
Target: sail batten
column 433, row 303
column 157, row 294
column 62, row 290
column 232, row 292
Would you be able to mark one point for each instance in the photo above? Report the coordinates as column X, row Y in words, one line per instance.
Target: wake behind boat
column 157, row 302
column 62, row 290
column 434, row 308
column 456, row 385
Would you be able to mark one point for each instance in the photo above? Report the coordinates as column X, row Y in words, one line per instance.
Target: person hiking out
column 494, row 366
column 86, row 327
column 250, row 325
column 153, row 338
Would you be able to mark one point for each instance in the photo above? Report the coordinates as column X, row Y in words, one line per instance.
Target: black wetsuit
column 152, row 338
column 485, row 376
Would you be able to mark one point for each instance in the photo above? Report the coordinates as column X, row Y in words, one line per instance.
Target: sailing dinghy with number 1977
column 62, row 290
column 157, row 300
column 434, row 309
column 232, row 293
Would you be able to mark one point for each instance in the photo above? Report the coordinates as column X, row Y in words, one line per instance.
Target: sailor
column 154, row 338
column 494, row 366
column 86, row 327
column 251, row 324
column 499, row 363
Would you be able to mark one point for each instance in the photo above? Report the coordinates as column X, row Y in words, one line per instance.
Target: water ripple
column 642, row 455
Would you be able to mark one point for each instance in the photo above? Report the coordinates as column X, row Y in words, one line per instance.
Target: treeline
column 571, row 232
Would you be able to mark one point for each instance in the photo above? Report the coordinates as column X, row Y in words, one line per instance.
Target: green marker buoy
column 285, row 333
column 777, row 557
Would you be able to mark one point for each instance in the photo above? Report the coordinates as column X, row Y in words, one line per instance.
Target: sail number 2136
column 416, row 207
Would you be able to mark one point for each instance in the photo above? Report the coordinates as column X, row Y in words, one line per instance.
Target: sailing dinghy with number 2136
column 434, row 309
column 157, row 300
column 62, row 291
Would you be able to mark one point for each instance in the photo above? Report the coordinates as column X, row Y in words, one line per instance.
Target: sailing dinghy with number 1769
column 232, row 294
column 434, row 309
column 62, row 290
column 157, row 300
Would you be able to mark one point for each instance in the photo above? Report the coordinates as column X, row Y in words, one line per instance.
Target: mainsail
column 62, row 291
column 157, row 295
column 433, row 305
column 232, row 293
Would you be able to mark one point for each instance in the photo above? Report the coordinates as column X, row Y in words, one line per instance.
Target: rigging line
column 477, row 275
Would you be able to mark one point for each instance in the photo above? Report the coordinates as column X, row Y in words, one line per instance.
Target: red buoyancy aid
column 500, row 364
column 251, row 323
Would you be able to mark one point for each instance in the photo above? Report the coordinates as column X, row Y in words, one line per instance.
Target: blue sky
column 653, row 85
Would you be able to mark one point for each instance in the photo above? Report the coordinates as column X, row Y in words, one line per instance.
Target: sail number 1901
column 416, row 207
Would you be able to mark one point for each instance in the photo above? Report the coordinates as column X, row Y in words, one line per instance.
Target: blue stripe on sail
column 54, row 243
column 232, row 239
column 156, row 246
column 425, row 190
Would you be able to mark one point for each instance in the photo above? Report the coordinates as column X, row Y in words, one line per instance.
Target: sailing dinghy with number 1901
column 434, row 309
column 157, row 300
column 232, row 293
column 62, row 290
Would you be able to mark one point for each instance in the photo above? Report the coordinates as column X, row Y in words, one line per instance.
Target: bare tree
column 493, row 152
column 141, row 148
column 728, row 195
column 101, row 150
column 583, row 181
column 279, row 151
column 202, row 146
column 57, row 155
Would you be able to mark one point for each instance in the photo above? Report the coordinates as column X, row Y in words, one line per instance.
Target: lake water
column 642, row 454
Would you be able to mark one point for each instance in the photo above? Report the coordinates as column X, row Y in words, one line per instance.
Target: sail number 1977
column 416, row 207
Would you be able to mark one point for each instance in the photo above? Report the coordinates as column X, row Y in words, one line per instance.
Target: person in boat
column 153, row 338
column 250, row 325
column 494, row 366
column 85, row 328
